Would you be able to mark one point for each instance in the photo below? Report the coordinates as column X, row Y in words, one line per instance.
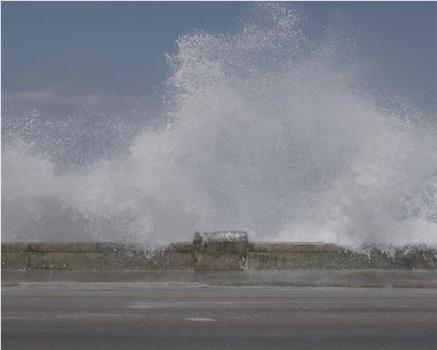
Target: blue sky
column 75, row 49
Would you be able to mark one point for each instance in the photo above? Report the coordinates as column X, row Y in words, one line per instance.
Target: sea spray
column 266, row 132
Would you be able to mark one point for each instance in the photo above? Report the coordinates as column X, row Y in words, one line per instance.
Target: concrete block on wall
column 220, row 250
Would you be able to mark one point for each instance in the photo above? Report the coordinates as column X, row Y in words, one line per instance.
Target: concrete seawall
column 94, row 256
column 185, row 256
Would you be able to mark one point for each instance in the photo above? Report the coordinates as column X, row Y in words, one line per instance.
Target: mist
column 261, row 129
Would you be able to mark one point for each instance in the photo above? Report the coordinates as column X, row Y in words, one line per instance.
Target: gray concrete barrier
column 212, row 251
column 292, row 256
column 220, row 250
column 94, row 256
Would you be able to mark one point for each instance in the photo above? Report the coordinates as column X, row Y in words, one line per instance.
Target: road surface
column 189, row 315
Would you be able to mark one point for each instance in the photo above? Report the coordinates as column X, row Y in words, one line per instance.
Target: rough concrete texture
column 293, row 247
column 290, row 256
column 220, row 250
column 94, row 256
column 212, row 251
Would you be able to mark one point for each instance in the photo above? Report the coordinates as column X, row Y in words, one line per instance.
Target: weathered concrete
column 291, row 256
column 212, row 251
column 221, row 250
column 370, row 278
column 94, row 256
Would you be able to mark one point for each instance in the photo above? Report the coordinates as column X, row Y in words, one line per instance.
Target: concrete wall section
column 290, row 256
column 212, row 253
column 94, row 256
column 220, row 251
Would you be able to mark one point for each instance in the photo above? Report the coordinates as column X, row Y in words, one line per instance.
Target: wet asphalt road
column 200, row 316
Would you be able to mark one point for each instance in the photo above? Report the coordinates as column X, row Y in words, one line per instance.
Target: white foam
column 268, row 135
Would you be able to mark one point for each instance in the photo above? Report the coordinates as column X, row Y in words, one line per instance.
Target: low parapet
column 209, row 251
column 293, row 247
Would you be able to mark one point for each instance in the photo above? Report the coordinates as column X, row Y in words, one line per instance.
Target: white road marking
column 178, row 304
column 200, row 319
